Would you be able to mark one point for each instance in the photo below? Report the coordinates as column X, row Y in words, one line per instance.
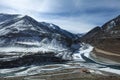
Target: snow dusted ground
column 31, row 70
column 22, row 50
column 115, row 71
column 78, row 63
column 41, row 47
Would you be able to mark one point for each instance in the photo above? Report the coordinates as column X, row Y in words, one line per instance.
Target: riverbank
column 69, row 74
column 105, row 56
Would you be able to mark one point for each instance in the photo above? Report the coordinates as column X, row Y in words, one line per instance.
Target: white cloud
column 73, row 15
column 43, row 6
column 22, row 4
column 58, row 6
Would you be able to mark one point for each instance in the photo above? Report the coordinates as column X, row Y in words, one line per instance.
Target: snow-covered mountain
column 22, row 35
column 17, row 29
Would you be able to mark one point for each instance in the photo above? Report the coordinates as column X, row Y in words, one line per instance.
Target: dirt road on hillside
column 106, row 52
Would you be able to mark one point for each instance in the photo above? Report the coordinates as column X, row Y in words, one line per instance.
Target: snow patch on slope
column 111, row 70
column 111, row 25
column 85, row 48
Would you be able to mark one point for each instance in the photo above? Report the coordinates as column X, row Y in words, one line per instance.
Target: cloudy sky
column 77, row 16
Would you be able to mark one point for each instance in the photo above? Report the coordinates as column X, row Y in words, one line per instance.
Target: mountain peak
column 26, row 17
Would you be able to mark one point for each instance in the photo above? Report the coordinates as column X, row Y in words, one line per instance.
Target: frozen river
column 80, row 59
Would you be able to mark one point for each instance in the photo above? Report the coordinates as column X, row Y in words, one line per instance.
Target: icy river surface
column 80, row 59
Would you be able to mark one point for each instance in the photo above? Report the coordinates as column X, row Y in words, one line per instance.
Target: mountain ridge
column 106, row 38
